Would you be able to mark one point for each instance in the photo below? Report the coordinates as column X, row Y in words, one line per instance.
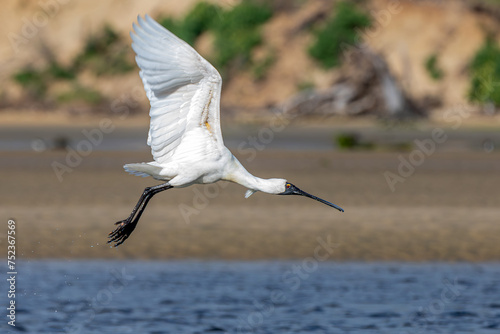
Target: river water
column 312, row 138
column 253, row 297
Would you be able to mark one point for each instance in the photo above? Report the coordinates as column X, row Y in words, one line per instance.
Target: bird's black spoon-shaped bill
column 293, row 190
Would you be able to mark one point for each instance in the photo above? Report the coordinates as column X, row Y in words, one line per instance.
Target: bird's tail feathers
column 142, row 169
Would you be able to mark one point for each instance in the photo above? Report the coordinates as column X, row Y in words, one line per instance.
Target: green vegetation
column 103, row 54
column 32, row 80
column 236, row 31
column 485, row 74
column 197, row 21
column 81, row 94
column 36, row 82
column 261, row 67
column 341, row 29
column 347, row 141
column 303, row 86
column 351, row 141
column 432, row 67
column 56, row 71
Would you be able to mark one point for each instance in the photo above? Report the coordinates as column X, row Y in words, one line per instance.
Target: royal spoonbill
column 185, row 135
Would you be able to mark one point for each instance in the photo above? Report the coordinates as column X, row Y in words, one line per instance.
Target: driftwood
column 365, row 86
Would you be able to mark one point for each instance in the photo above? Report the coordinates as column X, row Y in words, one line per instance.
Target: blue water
column 253, row 297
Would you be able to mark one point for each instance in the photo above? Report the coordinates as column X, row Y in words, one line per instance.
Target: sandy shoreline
column 447, row 210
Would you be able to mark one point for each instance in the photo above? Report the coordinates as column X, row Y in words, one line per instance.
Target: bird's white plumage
column 184, row 92
column 185, row 135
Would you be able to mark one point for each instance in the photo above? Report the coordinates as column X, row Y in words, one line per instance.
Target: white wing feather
column 183, row 90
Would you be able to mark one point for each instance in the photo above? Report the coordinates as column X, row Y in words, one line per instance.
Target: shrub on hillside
column 236, row 30
column 340, row 29
column 197, row 21
column 485, row 74
column 432, row 67
column 104, row 53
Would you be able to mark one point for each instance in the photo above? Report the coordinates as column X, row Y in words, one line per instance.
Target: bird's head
column 290, row 189
column 283, row 187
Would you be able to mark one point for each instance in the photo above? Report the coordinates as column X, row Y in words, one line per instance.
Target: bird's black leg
column 127, row 226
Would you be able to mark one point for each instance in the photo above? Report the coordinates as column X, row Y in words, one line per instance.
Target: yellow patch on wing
column 206, row 110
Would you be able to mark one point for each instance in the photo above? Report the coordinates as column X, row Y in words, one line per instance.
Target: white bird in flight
column 185, row 135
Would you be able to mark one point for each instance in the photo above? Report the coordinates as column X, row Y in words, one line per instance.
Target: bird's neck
column 238, row 174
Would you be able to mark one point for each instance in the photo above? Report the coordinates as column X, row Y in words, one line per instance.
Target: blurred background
column 387, row 108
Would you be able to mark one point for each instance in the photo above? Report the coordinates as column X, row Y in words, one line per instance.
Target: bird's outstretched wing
column 182, row 87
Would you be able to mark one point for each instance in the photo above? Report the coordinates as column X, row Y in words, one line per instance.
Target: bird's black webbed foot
column 122, row 231
column 126, row 227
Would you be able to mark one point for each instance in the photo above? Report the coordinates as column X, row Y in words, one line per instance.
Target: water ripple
column 253, row 297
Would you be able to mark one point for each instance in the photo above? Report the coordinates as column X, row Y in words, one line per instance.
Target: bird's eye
column 287, row 185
